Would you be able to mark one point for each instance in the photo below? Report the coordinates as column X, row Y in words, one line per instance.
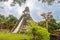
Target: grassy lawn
column 9, row 36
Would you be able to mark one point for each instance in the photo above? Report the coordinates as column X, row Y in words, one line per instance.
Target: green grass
column 9, row 36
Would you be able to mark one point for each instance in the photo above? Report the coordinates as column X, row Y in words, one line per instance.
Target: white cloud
column 30, row 3
column 20, row 9
column 8, row 3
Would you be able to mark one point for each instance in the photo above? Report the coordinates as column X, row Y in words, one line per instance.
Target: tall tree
column 11, row 21
column 2, row 21
column 52, row 25
column 47, row 18
column 7, row 22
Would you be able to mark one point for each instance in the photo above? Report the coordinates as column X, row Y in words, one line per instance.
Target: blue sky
column 36, row 8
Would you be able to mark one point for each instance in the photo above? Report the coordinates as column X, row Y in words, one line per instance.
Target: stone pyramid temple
column 20, row 26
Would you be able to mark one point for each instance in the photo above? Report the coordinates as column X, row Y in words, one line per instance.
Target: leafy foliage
column 23, row 1
column 19, row 1
column 7, row 22
column 38, row 32
column 52, row 25
column 50, row 2
column 15, row 2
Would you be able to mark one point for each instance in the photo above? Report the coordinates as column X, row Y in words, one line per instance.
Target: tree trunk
column 46, row 24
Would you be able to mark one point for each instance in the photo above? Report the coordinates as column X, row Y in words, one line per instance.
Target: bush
column 40, row 33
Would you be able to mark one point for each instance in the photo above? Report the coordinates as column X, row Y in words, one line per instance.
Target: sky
column 36, row 8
